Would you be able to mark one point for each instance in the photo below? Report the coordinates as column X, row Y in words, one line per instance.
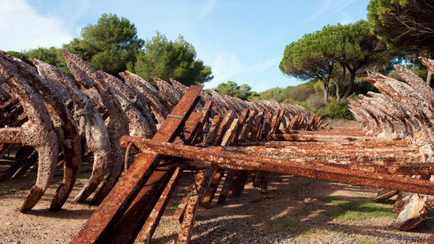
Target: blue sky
column 241, row 40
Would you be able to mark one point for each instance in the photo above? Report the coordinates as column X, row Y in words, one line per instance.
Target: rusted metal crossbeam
column 121, row 196
column 236, row 160
column 324, row 138
column 11, row 135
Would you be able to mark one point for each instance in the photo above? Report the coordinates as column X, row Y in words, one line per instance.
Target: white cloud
column 319, row 12
column 346, row 19
column 227, row 67
column 22, row 27
column 342, row 6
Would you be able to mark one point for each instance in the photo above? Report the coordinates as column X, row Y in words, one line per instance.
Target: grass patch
column 303, row 212
column 290, row 225
column 350, row 210
column 172, row 205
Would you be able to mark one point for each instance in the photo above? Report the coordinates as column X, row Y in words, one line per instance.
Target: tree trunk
column 338, row 96
column 351, row 84
column 428, row 78
column 325, row 88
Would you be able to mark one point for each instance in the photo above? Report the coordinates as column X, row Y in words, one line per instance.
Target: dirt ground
column 295, row 210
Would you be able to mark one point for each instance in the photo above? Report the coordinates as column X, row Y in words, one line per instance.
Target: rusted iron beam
column 238, row 183
column 194, row 124
column 323, row 138
column 226, row 122
column 346, row 155
column 243, row 136
column 381, row 144
column 242, row 122
column 11, row 135
column 151, row 223
column 21, row 157
column 236, row 160
column 202, row 180
column 129, row 226
column 126, row 189
column 212, row 189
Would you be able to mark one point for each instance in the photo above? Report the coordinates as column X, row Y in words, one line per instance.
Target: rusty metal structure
column 143, row 138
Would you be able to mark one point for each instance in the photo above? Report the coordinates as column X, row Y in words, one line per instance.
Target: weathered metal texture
column 131, row 223
column 212, row 189
column 202, row 179
column 237, row 160
column 22, row 155
column 242, row 118
column 117, row 125
column 167, row 92
column 151, row 223
column 67, row 132
column 243, row 136
column 257, row 125
column 323, row 138
column 37, row 131
column 192, row 126
column 91, row 124
column 239, row 181
column 135, row 107
column 11, row 135
column 212, row 134
column 408, row 114
column 147, row 91
column 122, row 195
column 226, row 122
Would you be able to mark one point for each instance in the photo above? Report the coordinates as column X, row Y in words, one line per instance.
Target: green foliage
column 110, row 45
column 231, row 88
column 20, row 55
column 336, row 110
column 350, row 210
column 171, row 59
column 420, row 71
column 318, row 87
column 51, row 55
column 270, row 93
column 310, row 57
column 328, row 53
column 405, row 25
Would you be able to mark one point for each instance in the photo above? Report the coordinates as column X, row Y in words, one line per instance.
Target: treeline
column 112, row 45
column 335, row 59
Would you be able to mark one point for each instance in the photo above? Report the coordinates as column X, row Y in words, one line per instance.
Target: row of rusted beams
column 91, row 110
column 97, row 109
column 100, row 225
column 239, row 160
column 402, row 110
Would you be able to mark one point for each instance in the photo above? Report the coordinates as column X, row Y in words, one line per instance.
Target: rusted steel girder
column 324, row 138
column 192, row 126
column 121, row 196
column 151, row 223
column 11, row 135
column 236, row 160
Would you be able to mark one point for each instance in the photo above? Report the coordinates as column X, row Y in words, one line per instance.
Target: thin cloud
column 346, row 19
column 320, row 11
column 23, row 28
column 341, row 6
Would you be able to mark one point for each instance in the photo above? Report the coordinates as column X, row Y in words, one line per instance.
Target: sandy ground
column 295, row 210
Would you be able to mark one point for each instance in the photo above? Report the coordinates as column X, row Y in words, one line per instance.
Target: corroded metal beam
column 121, row 196
column 11, row 135
column 236, row 160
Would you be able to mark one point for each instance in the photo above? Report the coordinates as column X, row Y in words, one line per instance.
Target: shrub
column 335, row 110
column 315, row 101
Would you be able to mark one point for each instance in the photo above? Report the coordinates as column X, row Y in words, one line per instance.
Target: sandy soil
column 295, row 210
